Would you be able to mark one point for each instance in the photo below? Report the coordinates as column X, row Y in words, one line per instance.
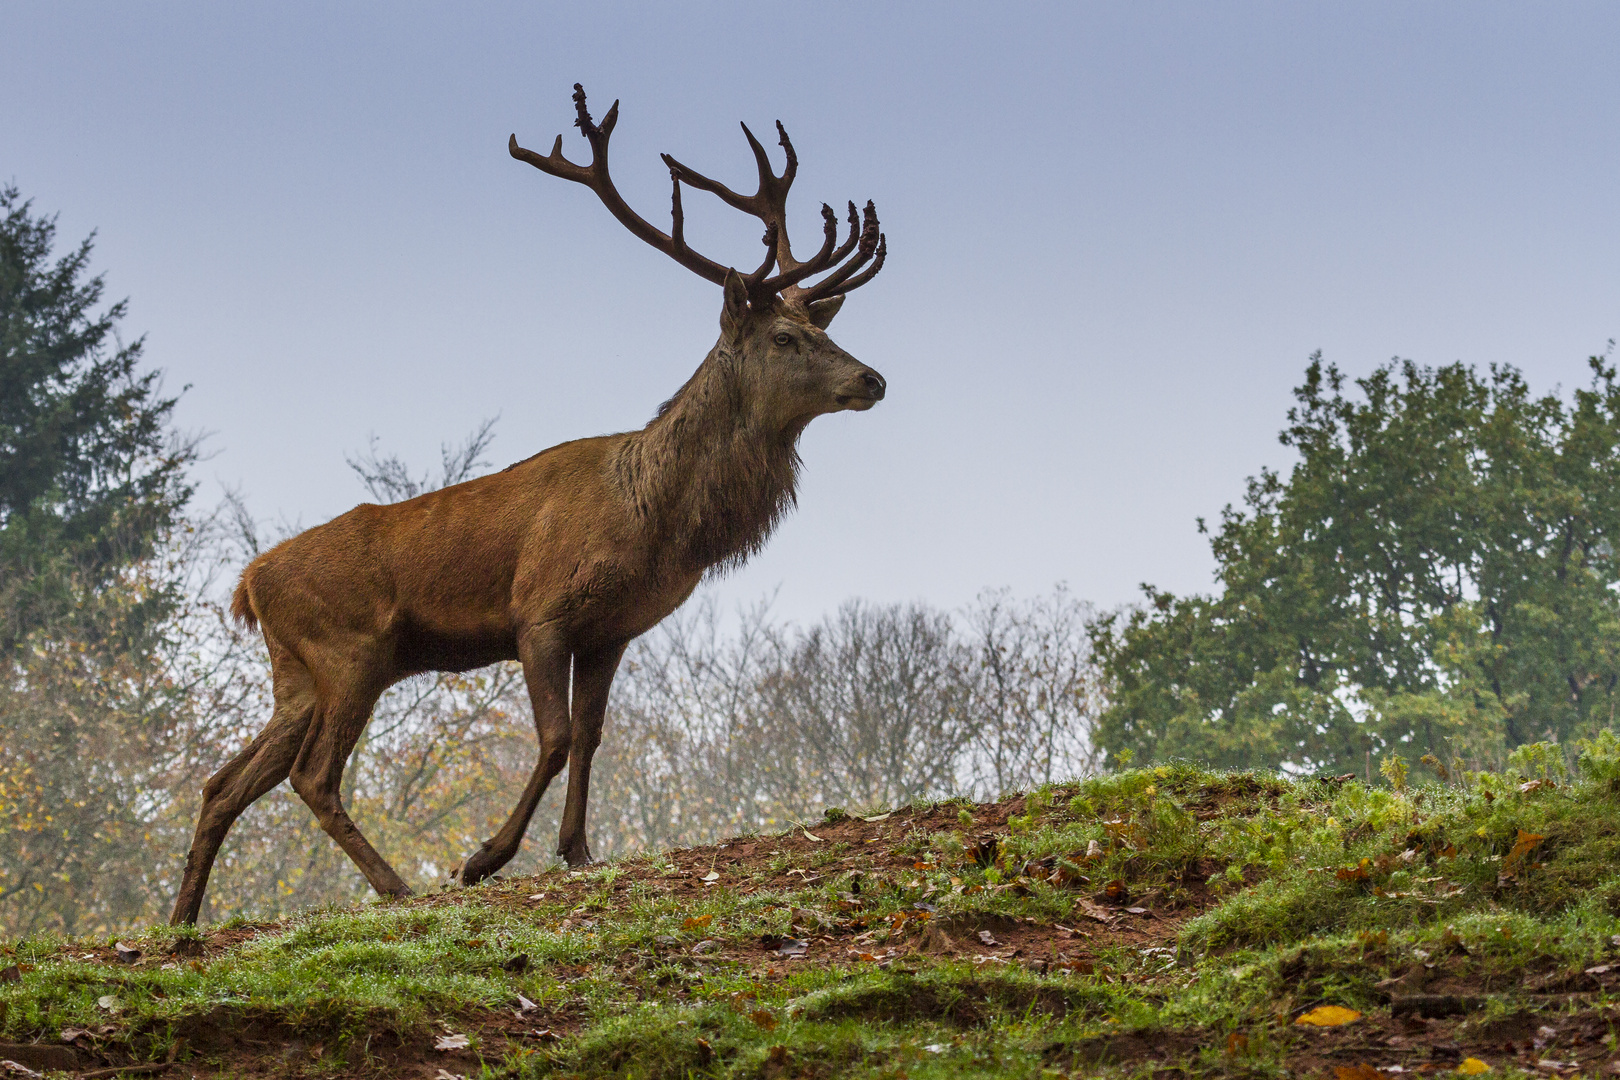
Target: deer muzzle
column 866, row 390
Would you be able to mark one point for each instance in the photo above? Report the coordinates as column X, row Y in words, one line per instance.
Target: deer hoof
column 474, row 868
column 577, row 857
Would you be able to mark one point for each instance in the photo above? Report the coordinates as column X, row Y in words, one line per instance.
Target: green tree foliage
column 90, row 473
column 1436, row 575
column 91, row 492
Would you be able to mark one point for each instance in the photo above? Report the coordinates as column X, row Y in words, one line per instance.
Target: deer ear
column 736, row 309
column 822, row 311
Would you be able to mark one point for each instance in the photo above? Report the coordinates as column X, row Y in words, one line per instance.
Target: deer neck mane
column 708, row 477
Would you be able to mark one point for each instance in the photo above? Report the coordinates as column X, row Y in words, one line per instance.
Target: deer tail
column 242, row 606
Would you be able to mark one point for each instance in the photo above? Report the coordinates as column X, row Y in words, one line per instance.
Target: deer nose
column 874, row 383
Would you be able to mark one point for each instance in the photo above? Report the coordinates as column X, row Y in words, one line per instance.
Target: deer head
column 773, row 325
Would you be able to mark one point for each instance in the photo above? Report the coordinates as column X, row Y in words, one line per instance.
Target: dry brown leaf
column 1092, row 911
column 697, row 922
column 1524, row 845
column 763, row 1018
column 1359, row 1071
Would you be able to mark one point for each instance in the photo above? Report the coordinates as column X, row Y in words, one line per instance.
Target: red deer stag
column 560, row 560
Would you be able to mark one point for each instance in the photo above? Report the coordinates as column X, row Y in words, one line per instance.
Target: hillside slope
column 1156, row 921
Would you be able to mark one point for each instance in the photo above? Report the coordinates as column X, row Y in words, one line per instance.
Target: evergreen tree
column 91, row 474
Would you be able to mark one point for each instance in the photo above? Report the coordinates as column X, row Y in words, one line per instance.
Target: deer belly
column 418, row 648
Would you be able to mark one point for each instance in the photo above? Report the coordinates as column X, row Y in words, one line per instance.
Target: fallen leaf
column 1236, row 1043
column 1359, row 1071
column 109, row 1003
column 1329, row 1016
column 127, row 953
column 988, row 938
column 707, row 945
column 1094, row 850
column 763, row 1018
column 1116, row 892
column 1092, row 911
column 1137, row 910
column 712, row 875
column 452, row 1042
column 446, row 1074
column 1524, row 845
column 17, row 1068
column 1353, row 873
column 524, row 1004
column 808, row 835
column 936, row 1048
column 878, row 817
column 73, row 1034
column 697, row 922
column 1472, row 1067
column 1601, row 969
column 705, row 1052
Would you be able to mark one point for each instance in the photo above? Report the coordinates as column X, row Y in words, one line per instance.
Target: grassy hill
column 1162, row 921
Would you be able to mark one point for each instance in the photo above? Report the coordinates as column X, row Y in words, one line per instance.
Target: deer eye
column 784, row 339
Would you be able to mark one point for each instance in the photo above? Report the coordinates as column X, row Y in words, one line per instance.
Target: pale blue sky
column 1116, row 232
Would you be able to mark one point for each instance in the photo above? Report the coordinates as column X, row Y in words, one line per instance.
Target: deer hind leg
column 593, row 675
column 317, row 776
column 263, row 764
column 545, row 667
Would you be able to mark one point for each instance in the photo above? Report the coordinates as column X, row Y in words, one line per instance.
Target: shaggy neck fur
column 708, row 478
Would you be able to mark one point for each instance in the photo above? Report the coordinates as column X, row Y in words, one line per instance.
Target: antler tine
column 791, row 169
column 688, row 175
column 757, row 285
column 596, row 177
column 820, row 260
column 872, row 241
column 871, row 271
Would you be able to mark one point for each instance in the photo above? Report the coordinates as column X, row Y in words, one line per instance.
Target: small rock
column 127, row 953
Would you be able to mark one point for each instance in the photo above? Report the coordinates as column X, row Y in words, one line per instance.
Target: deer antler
column 769, row 204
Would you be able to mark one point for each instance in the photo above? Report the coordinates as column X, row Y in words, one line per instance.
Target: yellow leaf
column 1329, row 1016
column 1472, row 1067
column 697, row 922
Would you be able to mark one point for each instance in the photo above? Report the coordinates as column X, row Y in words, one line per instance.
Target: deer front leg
column 593, row 675
column 546, row 662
